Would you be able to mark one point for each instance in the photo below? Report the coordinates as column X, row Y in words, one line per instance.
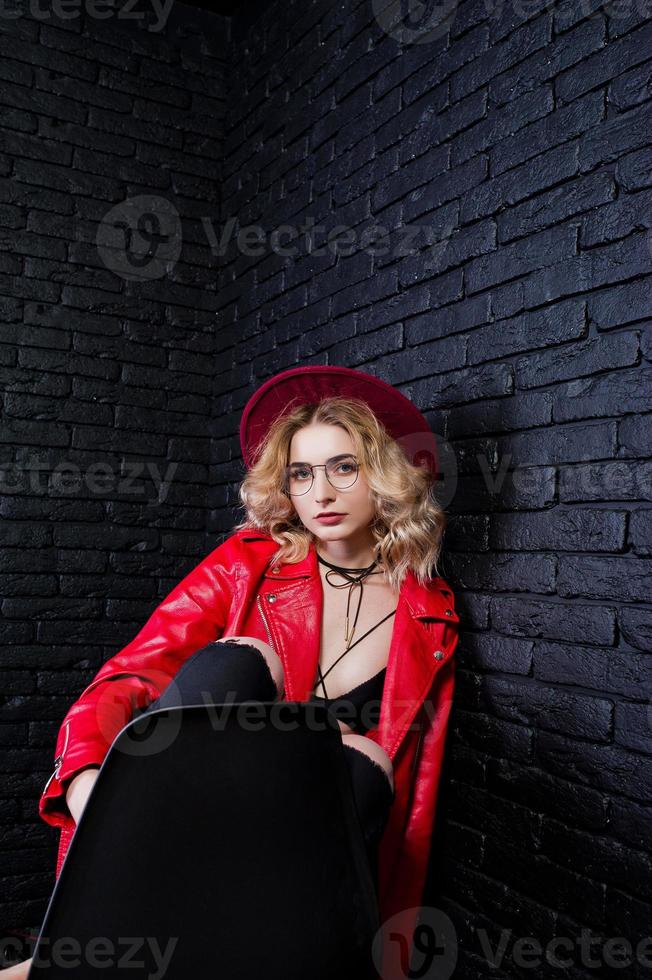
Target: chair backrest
column 218, row 840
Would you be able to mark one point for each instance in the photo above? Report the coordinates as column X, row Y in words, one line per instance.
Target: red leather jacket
column 233, row 591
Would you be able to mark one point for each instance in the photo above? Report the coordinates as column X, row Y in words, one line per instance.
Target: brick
column 636, row 625
column 499, row 57
column 544, row 134
column 605, row 65
column 614, row 579
column 609, row 140
column 531, row 178
column 632, row 88
column 632, row 727
column 565, row 529
column 517, row 572
column 577, row 360
column 415, row 173
column 572, row 443
column 550, row 708
column 562, row 52
column 628, row 821
column 640, row 531
column 553, row 619
column 600, row 766
column 548, row 794
column 563, row 322
column 452, row 386
column 502, row 124
column 445, row 125
column 520, row 258
column 615, row 220
column 590, row 270
column 419, row 117
column 447, row 187
column 623, row 304
column 605, row 395
column 449, row 248
column 605, row 481
column 599, row 856
column 633, row 173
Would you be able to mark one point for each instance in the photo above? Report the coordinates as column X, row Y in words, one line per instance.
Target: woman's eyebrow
column 302, row 462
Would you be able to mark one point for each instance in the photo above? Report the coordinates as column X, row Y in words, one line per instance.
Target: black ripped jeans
column 236, row 671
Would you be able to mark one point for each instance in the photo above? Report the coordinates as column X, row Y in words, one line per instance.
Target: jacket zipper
column 262, row 614
column 58, row 762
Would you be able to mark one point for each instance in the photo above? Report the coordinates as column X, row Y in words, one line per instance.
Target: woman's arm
column 79, row 790
column 191, row 616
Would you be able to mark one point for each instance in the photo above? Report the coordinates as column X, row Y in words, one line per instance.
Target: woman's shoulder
column 434, row 596
column 241, row 544
column 245, row 536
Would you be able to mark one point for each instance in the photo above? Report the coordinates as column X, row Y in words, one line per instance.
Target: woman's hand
column 18, row 971
column 79, row 790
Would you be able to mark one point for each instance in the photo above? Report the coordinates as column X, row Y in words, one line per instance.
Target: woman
column 340, row 607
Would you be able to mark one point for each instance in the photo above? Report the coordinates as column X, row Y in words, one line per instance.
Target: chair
column 218, row 841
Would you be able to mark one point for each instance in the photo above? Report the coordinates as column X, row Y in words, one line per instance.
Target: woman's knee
column 271, row 657
column 374, row 751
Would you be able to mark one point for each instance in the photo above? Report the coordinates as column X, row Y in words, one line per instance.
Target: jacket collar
column 289, row 599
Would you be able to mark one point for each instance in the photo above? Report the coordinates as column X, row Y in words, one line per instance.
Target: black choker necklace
column 351, row 580
column 342, row 568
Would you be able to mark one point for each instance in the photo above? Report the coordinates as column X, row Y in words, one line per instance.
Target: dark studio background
column 518, row 142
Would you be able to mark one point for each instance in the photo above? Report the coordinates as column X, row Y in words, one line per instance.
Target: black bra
column 360, row 707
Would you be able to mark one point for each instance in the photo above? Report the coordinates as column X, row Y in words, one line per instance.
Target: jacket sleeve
column 409, row 865
column 191, row 616
column 412, row 857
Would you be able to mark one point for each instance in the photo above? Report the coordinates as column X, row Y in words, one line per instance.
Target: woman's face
column 315, row 444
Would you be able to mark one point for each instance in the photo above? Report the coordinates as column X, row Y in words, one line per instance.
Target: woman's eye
column 300, row 474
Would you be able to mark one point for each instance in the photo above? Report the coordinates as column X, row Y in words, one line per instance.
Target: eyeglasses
column 341, row 473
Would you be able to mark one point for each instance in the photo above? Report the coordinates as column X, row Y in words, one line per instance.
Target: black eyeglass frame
column 314, row 466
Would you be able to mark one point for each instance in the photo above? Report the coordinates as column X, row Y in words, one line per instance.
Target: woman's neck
column 346, row 553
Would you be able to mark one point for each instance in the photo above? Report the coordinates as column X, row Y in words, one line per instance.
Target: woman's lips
column 335, row 519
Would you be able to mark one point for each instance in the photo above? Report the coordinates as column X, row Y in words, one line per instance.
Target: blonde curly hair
column 409, row 522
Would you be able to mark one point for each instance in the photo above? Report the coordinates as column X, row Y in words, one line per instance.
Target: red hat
column 307, row 385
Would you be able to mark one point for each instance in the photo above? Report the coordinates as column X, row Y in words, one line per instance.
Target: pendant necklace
column 353, row 577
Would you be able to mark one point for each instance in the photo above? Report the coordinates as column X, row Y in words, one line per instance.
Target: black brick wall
column 518, row 148
column 515, row 147
column 113, row 376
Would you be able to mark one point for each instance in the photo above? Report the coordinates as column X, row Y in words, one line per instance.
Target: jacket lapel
column 291, row 602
